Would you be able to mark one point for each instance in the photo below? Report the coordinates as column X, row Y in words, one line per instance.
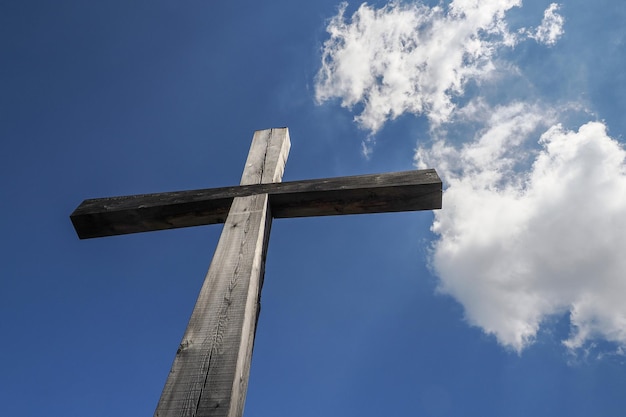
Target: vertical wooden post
column 209, row 376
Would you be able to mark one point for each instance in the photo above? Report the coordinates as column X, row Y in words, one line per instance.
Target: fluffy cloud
column 411, row 58
column 534, row 213
column 517, row 246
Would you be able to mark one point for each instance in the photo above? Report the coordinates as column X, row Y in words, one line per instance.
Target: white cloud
column 534, row 213
column 411, row 58
column 408, row 57
column 517, row 246
column 551, row 28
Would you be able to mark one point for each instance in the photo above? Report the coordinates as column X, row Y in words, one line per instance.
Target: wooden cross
column 209, row 376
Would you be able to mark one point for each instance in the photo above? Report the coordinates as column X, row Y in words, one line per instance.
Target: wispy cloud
column 533, row 211
column 411, row 58
column 551, row 28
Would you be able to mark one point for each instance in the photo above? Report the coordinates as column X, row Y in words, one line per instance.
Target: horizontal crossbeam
column 374, row 193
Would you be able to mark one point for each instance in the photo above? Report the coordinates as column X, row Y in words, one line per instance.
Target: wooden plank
column 378, row 193
column 209, row 376
column 374, row 193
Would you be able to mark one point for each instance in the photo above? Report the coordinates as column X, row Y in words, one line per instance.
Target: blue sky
column 507, row 302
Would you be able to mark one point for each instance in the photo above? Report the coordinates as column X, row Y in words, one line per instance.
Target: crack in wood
column 206, row 377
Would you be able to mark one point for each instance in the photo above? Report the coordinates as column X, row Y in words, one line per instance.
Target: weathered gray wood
column 376, row 193
column 209, row 376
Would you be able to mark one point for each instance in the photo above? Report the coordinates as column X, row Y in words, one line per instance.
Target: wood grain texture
column 209, row 376
column 374, row 193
